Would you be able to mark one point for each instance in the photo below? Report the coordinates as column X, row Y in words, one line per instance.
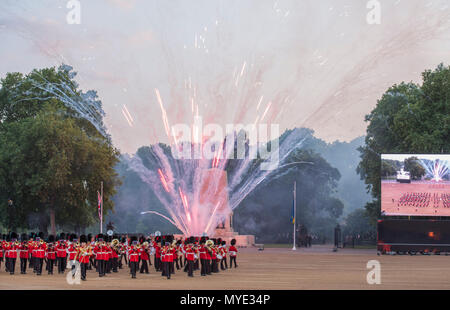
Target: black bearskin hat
column 224, row 242
column 51, row 238
column 83, row 238
column 13, row 235
column 72, row 237
column 233, row 242
column 23, row 237
column 99, row 237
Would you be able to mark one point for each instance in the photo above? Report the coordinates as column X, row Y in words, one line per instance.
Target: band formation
column 108, row 254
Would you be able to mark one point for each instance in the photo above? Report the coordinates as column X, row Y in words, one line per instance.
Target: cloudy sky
column 156, row 63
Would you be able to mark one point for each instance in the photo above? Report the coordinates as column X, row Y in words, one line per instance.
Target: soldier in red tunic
column 115, row 247
column 133, row 254
column 2, row 244
column 208, row 245
column 108, row 257
column 61, row 254
column 83, row 254
column 99, row 257
column 72, row 252
column 23, row 254
column 233, row 253
column 12, row 255
column 157, row 247
column 190, row 257
column 145, row 257
column 214, row 264
column 166, row 257
column 223, row 261
column 40, row 255
column 203, row 262
column 50, row 254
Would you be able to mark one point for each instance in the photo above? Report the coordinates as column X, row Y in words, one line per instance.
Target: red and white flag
column 100, row 202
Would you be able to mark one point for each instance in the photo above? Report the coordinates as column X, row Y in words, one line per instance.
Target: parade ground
column 391, row 191
column 274, row 268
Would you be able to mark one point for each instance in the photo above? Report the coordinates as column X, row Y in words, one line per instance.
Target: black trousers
column 23, row 265
column 61, row 264
column 166, row 269
column 157, row 263
column 12, row 265
column 190, row 265
column 39, row 262
column 214, row 266
column 50, row 263
column 108, row 265
column 115, row 264
column 176, row 262
column 223, row 261
column 6, row 264
column 101, row 267
column 233, row 259
column 122, row 256
column 84, row 267
column 203, row 270
column 133, row 268
column 208, row 266
column 144, row 267
column 196, row 264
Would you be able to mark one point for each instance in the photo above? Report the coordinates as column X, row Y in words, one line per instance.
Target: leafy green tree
column 358, row 223
column 408, row 118
column 416, row 170
column 53, row 158
column 266, row 211
column 387, row 169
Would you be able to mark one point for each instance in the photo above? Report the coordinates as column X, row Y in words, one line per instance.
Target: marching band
column 106, row 254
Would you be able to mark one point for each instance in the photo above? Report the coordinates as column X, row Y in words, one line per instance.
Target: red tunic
column 202, row 252
column 190, row 254
column 23, row 250
column 51, row 254
column 98, row 253
column 144, row 255
column 40, row 250
column 83, row 258
column 72, row 252
column 134, row 254
column 157, row 251
column 233, row 251
column 61, row 250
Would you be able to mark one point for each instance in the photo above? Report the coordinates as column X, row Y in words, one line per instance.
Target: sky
column 296, row 63
column 402, row 157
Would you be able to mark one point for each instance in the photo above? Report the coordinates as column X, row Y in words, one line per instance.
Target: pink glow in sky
column 297, row 63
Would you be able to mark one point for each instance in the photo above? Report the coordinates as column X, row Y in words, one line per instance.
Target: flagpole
column 295, row 212
column 101, row 208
